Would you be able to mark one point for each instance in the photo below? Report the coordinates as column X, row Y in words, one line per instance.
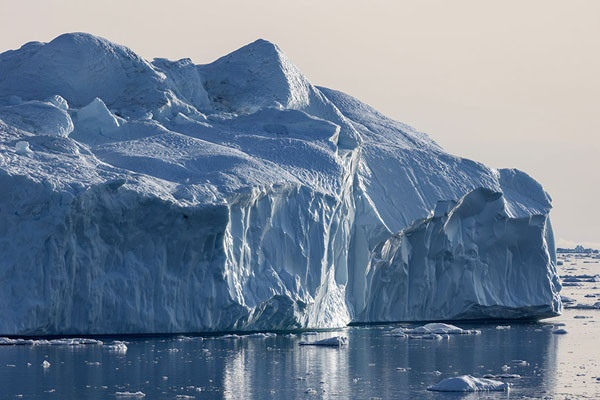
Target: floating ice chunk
column 579, row 306
column 467, row 383
column 581, row 278
column 432, row 331
column 310, row 391
column 46, row 364
column 130, row 394
column 503, row 327
column 117, row 347
column 231, row 337
column 560, row 331
column 502, row 376
column 521, row 363
column 259, row 335
column 187, row 338
column 334, row 341
column 22, row 148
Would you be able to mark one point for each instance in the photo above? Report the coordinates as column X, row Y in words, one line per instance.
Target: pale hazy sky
column 507, row 83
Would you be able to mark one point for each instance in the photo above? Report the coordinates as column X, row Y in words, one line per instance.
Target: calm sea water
column 557, row 366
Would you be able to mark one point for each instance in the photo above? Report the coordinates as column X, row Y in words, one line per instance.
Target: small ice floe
column 432, row 331
column 567, row 300
column 173, row 350
column 560, row 331
column 54, row 342
column 187, row 338
column 502, row 376
column 184, row 396
column 335, row 341
column 520, row 363
column 233, row 336
column 581, row 278
column 117, row 346
column 259, row 335
column 138, row 394
column 400, row 369
column 46, row 364
column 503, row 327
column 579, row 306
column 467, row 383
column 310, row 391
column 94, row 363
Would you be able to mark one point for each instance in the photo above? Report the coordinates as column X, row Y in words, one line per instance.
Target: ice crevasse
column 165, row 196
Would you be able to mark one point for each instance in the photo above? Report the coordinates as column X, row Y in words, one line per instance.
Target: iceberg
column 168, row 197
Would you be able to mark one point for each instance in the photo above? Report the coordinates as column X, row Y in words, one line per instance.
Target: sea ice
column 467, row 383
column 334, row 341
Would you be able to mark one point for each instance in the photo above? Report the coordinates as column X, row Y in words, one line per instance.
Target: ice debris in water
column 560, row 331
column 130, row 394
column 43, row 342
column 117, row 346
column 334, row 341
column 432, row 331
column 502, row 376
column 46, row 364
column 503, row 327
column 259, row 335
column 467, row 383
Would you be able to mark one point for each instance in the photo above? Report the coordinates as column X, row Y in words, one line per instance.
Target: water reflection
column 371, row 365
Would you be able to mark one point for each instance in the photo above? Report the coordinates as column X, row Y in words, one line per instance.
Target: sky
column 510, row 84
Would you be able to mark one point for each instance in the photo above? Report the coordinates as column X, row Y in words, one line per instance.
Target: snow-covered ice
column 467, row 383
column 164, row 196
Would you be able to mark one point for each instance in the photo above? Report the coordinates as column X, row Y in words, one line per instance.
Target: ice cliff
column 164, row 196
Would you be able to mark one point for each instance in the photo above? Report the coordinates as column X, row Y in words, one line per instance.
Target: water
column 558, row 366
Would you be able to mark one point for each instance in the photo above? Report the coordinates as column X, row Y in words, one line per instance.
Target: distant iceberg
column 169, row 197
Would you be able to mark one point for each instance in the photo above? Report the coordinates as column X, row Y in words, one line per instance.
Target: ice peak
column 255, row 76
column 77, row 66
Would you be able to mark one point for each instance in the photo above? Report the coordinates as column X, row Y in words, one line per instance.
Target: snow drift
column 144, row 197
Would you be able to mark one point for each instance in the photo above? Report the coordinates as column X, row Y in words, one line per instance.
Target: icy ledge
column 469, row 260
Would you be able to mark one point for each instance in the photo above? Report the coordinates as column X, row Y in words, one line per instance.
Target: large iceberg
column 164, row 196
